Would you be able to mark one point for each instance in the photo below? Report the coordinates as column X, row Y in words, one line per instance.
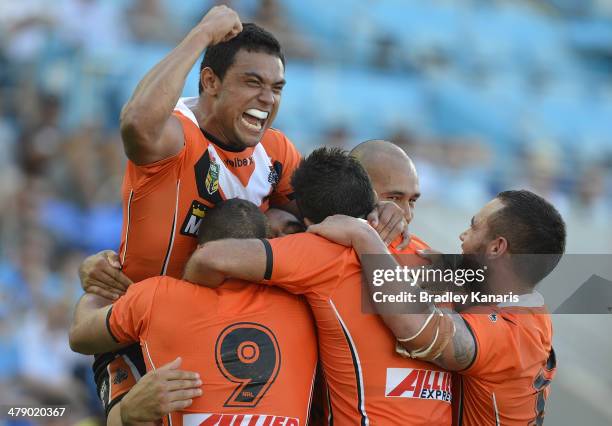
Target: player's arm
column 423, row 331
column 89, row 333
column 149, row 131
column 101, row 274
column 156, row 394
column 389, row 221
column 216, row 261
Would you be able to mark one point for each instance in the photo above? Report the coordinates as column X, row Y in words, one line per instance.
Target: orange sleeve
column 285, row 165
column 301, row 263
column 497, row 347
column 129, row 317
column 142, row 174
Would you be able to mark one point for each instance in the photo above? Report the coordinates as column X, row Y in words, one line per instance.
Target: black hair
column 234, row 218
column 252, row 38
column 534, row 230
column 328, row 182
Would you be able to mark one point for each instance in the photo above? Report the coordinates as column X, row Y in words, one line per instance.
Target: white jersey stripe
column 257, row 188
column 365, row 419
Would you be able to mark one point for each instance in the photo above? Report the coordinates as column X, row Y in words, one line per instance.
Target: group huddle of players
column 235, row 297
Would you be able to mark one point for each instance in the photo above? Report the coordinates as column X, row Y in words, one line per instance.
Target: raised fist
column 221, row 24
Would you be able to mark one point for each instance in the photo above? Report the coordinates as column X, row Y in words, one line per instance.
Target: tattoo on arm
column 463, row 348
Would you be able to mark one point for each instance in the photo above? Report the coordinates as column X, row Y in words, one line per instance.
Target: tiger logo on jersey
column 276, row 170
column 212, row 178
column 120, row 376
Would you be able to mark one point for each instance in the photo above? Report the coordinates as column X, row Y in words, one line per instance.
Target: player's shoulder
column 276, row 143
column 515, row 318
column 417, row 243
column 310, row 240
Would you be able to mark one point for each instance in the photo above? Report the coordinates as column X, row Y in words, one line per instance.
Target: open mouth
column 254, row 119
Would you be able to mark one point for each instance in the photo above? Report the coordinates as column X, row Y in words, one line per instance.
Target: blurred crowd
column 477, row 110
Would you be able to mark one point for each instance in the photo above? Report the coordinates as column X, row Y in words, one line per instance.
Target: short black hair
column 234, row 218
column 252, row 38
column 534, row 230
column 329, row 181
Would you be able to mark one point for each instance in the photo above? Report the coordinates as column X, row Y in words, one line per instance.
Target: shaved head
column 391, row 171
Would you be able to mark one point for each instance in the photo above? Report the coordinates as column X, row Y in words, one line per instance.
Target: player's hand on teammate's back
column 389, row 221
column 340, row 229
column 101, row 274
column 221, row 24
column 160, row 392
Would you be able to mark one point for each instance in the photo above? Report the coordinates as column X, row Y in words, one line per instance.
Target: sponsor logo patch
column 193, row 219
column 216, row 419
column 417, row 383
column 239, row 162
column 120, row 376
column 104, row 392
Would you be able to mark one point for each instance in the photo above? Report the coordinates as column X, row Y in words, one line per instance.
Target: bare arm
column 215, row 261
column 89, row 334
column 156, row 394
column 149, row 131
column 418, row 319
column 101, row 274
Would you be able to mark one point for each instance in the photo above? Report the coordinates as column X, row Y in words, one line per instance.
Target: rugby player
column 366, row 379
column 502, row 352
column 394, row 178
column 254, row 348
column 186, row 155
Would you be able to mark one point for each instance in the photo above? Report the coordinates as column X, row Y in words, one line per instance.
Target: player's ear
column 497, row 247
column 308, row 222
column 211, row 84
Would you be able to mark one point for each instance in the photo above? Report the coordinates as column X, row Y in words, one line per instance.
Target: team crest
column 275, row 173
column 493, row 317
column 212, row 178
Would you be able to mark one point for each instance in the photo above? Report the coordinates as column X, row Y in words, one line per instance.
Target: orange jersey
column 253, row 346
column 508, row 382
column 164, row 202
column 368, row 383
column 415, row 244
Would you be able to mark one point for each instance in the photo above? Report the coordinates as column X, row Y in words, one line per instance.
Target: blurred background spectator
column 484, row 95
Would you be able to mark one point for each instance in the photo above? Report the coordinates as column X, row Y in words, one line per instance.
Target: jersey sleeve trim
column 108, row 326
column 114, row 402
column 269, row 259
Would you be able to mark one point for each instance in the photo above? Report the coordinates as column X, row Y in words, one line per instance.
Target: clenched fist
column 220, row 24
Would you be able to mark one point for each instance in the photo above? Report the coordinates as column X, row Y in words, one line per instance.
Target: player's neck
column 211, row 128
column 501, row 281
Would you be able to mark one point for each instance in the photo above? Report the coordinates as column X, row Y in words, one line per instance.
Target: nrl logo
column 212, row 178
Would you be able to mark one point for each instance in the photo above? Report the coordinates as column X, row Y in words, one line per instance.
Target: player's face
column 475, row 239
column 283, row 223
column 249, row 97
column 398, row 182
